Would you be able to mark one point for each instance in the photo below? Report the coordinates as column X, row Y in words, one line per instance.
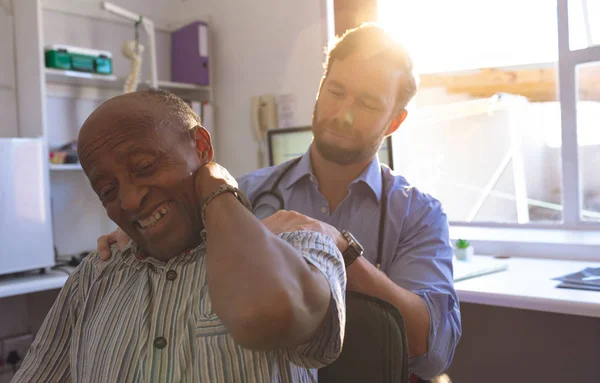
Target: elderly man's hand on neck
column 210, row 177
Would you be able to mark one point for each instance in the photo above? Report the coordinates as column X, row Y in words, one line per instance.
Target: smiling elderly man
column 211, row 294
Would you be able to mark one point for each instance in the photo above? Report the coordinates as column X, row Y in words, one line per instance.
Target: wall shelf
column 66, row 167
column 83, row 79
column 69, row 77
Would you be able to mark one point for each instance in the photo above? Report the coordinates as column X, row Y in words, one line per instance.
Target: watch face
column 353, row 242
column 353, row 251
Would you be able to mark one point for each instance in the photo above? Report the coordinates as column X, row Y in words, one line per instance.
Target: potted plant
column 463, row 250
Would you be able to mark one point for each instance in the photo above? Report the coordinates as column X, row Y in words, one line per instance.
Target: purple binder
column 189, row 54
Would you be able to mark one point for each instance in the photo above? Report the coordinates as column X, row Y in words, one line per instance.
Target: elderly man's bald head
column 140, row 152
column 159, row 108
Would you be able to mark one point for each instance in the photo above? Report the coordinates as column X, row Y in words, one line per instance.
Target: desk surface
column 33, row 282
column 528, row 284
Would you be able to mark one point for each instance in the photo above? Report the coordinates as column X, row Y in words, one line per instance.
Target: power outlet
column 20, row 344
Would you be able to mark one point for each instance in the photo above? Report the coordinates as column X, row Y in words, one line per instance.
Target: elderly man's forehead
column 119, row 116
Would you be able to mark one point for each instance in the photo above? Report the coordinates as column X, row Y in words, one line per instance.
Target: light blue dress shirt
column 417, row 253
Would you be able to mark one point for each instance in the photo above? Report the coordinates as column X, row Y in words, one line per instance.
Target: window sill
column 554, row 243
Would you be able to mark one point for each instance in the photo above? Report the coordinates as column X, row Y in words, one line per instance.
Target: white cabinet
column 25, row 222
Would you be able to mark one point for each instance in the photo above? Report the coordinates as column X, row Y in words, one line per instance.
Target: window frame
column 579, row 246
column 568, row 60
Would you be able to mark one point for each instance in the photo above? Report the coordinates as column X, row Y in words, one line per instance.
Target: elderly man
column 204, row 292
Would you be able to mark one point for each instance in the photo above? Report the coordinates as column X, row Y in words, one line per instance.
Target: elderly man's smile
column 156, row 215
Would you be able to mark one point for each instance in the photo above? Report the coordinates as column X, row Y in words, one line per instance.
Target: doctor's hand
column 288, row 221
column 118, row 236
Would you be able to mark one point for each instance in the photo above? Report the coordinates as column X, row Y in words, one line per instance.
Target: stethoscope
column 382, row 215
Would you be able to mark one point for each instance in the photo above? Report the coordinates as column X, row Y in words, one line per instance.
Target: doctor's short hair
column 180, row 116
column 372, row 35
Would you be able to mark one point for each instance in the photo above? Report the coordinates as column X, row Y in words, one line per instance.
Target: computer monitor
column 286, row 144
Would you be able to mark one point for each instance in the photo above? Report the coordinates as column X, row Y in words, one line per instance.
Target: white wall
column 260, row 47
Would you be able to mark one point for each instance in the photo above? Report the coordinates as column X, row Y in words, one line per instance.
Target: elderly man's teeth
column 158, row 214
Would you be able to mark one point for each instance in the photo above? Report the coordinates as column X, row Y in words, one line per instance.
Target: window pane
column 486, row 142
column 584, row 23
column 588, row 138
column 465, row 34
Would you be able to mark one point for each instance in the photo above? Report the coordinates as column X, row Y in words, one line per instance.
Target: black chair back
column 375, row 347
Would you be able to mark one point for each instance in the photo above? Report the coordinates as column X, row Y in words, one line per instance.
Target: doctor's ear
column 203, row 144
column 396, row 122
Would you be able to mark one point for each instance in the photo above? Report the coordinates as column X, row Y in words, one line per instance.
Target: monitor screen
column 289, row 143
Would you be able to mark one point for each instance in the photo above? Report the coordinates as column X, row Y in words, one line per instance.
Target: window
column 487, row 133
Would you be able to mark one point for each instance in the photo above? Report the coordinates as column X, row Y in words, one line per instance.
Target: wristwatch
column 354, row 249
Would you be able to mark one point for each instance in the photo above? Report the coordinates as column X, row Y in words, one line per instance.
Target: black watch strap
column 354, row 249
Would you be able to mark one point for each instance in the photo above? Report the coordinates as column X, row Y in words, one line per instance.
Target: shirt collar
column 300, row 170
column 135, row 257
column 371, row 176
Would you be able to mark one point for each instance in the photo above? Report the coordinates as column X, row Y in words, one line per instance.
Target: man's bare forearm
column 373, row 282
column 260, row 286
column 414, row 311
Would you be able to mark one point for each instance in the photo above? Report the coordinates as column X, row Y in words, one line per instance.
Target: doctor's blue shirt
column 417, row 253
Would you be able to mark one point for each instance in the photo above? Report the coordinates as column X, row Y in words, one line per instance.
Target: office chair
column 375, row 348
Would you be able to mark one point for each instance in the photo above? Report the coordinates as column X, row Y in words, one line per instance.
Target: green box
column 103, row 65
column 58, row 60
column 82, row 63
column 78, row 59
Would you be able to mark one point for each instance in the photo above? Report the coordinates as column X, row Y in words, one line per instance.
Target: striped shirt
column 141, row 320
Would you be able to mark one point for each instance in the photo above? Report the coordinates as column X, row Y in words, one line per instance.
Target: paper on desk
column 477, row 267
column 586, row 277
column 578, row 286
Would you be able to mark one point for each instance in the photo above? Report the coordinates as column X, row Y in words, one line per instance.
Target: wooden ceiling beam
column 537, row 84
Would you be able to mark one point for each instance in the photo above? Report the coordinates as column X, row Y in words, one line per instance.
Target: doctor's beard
column 366, row 149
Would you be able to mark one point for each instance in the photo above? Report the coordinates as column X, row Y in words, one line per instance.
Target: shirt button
column 171, row 275
column 323, row 210
column 160, row 342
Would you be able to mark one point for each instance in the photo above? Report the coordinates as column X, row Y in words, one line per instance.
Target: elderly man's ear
column 203, row 145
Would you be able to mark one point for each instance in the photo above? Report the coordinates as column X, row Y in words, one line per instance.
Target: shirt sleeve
column 423, row 265
column 320, row 251
column 48, row 357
